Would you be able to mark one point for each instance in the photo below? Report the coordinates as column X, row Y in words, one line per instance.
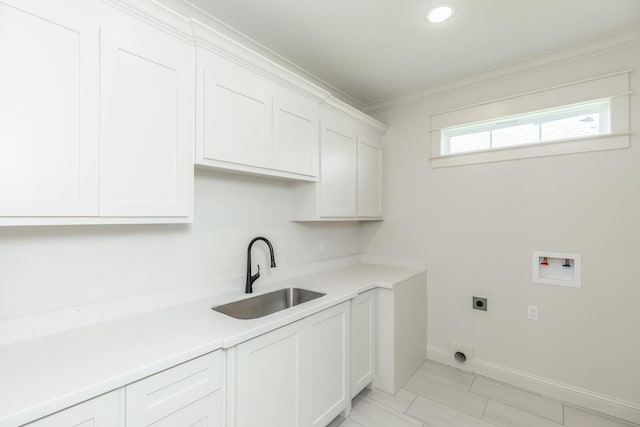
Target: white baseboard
column 438, row 355
column 546, row 387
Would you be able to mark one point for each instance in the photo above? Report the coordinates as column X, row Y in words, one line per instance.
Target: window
column 566, row 122
column 581, row 116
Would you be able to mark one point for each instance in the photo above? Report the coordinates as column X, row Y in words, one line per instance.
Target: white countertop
column 47, row 374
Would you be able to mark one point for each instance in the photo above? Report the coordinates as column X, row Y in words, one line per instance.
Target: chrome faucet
column 250, row 279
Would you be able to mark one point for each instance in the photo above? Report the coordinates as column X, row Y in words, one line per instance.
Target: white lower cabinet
column 206, row 412
column 270, row 379
column 295, row 376
column 329, row 363
column 363, row 332
column 401, row 337
column 300, row 375
column 103, row 411
column 185, row 395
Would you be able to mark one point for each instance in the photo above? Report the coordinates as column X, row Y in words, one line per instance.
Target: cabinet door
column 270, row 384
column 363, row 329
column 103, row 411
column 146, row 107
column 337, row 167
column 182, row 390
column 328, row 331
column 48, row 108
column 295, row 133
column 369, row 176
column 205, row 412
column 234, row 112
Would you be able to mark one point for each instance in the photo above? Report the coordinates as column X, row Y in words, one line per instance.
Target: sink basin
column 262, row 305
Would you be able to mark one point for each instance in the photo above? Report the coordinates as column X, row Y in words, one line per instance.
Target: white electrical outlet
column 532, row 312
column 321, row 245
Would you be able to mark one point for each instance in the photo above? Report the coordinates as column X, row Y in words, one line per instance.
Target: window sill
column 539, row 149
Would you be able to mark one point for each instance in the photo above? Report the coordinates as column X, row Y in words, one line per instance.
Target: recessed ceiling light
column 440, row 13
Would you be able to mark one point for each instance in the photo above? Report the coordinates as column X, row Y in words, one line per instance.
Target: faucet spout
column 252, row 278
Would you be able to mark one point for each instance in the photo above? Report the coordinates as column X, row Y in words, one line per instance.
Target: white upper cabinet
column 48, row 108
column 338, row 159
column 146, row 87
column 104, row 104
column 96, row 116
column 234, row 113
column 350, row 186
column 295, row 132
column 370, row 182
column 251, row 121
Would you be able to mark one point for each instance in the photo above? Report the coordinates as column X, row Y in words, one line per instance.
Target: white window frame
column 521, row 108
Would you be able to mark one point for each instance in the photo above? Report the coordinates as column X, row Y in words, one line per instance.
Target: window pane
column 514, row 135
column 470, row 142
column 565, row 122
column 571, row 127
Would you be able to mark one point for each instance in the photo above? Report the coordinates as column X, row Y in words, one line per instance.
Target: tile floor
column 441, row 396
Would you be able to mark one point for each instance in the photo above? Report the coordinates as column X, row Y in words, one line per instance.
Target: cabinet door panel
column 48, row 108
column 362, row 341
column 295, row 133
column 206, row 412
column 369, row 178
column 146, row 109
column 103, row 411
column 269, row 380
column 234, row 114
column 337, row 169
column 158, row 396
column 329, row 362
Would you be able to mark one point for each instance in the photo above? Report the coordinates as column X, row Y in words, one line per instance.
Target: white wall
column 478, row 225
column 53, row 268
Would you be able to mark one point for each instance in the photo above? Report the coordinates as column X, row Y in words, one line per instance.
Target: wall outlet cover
column 480, row 303
column 455, row 347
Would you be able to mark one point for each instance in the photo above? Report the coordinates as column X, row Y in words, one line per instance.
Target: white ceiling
column 376, row 49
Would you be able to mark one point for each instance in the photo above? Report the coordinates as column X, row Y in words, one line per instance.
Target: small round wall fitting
column 460, row 357
column 440, row 13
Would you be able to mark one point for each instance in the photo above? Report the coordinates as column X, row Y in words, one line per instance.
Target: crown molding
column 334, row 104
column 157, row 15
column 551, row 59
column 214, row 41
column 212, row 22
column 193, row 25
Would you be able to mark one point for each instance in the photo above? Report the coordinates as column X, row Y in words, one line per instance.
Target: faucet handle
column 255, row 276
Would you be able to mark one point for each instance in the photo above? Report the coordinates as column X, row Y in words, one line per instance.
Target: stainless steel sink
column 262, row 305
